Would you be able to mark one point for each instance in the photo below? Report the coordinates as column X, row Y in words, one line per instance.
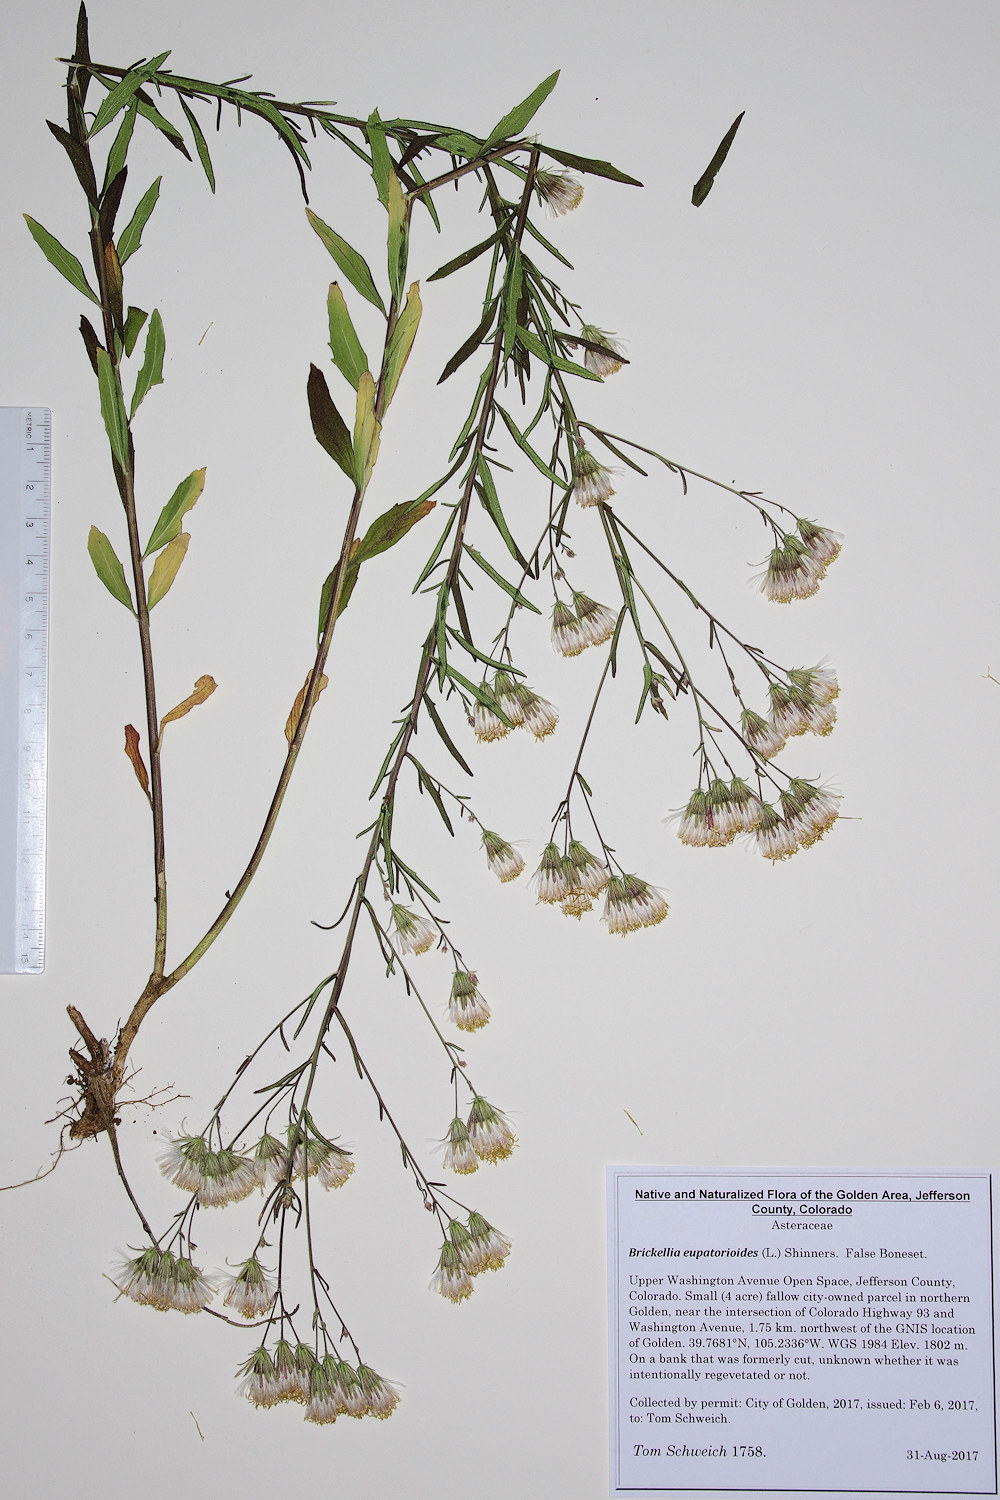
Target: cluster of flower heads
column 226, row 1176
column 505, row 704
column 487, row 1135
column 470, row 1249
column 326, row 1385
column 170, row 1283
column 591, row 480
column 796, row 568
column 573, row 880
column 714, row 818
column 582, row 624
column 802, row 705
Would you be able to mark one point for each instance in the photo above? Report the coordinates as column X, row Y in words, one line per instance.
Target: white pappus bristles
column 591, row 480
column 466, row 1007
column 504, row 860
column 560, row 192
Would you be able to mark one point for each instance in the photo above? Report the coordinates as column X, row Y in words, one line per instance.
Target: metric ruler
column 25, row 498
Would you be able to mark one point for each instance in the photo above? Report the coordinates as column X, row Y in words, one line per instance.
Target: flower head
column 314, row 1156
column 261, row 1383
column 489, row 1248
column 775, row 838
column 503, row 859
column 486, row 721
column 597, row 620
column 822, row 545
column 249, row 1292
column 792, row 572
column 183, row 1161
column 227, row 1177
column 561, row 192
column 810, row 811
column 761, row 734
column 379, row 1397
column 744, row 806
column 467, row 1008
column 608, row 358
column 490, row 1132
column 412, row 933
column 271, row 1158
column 333, row 1391
column 589, row 874
column 168, row 1282
column 552, row 881
column 459, row 1153
column 533, row 711
column 451, row 1279
column 568, row 635
column 592, row 481
column 631, row 903
column 286, row 1371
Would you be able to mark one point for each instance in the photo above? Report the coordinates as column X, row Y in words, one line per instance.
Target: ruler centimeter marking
column 25, row 508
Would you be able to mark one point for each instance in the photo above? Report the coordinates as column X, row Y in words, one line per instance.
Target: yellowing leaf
column 135, row 756
column 401, row 342
column 292, row 722
column 367, row 431
column 165, row 567
column 203, row 688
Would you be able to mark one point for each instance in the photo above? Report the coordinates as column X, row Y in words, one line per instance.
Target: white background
column 824, row 329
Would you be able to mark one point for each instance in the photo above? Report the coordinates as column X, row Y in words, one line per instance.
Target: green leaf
column 589, row 164
column 133, row 327
column 113, row 407
column 345, row 346
column 166, row 566
column 491, row 504
column 123, row 94
column 470, row 420
column 200, row 144
column 457, row 143
column 64, row 260
column 703, row 186
column 149, row 112
column 528, row 341
column 399, row 346
column 514, row 122
column 525, row 446
column 128, row 240
column 471, row 344
column 108, row 568
column 152, row 364
column 466, row 258
column 119, row 151
column 482, row 695
column 398, row 236
column 326, row 595
column 428, row 785
column 168, row 524
column 498, row 578
column 443, row 734
column 367, row 432
column 511, row 298
column 328, row 425
column 381, row 161
column 390, row 527
column 350, row 262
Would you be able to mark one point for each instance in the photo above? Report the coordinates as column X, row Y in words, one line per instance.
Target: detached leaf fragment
column 203, row 688
column 703, row 186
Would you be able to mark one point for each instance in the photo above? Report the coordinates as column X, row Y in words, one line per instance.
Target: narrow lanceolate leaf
column 135, row 756
column 466, row 258
column 498, row 578
column 200, row 144
column 471, row 344
column 203, row 688
column 525, row 447
column 353, row 265
column 398, row 351
column 166, row 566
column 80, row 160
column 703, row 186
column 443, row 735
column 511, row 299
column 345, row 346
column 390, row 528
column 491, row 503
column 149, row 112
column 119, row 151
column 64, row 260
column 328, row 425
column 367, row 431
column 119, row 98
column 112, row 407
column 108, row 568
column 292, row 722
column 534, row 345
column 590, row 164
column 152, row 364
column 346, row 590
column 514, row 122
column 168, row 524
column 133, row 327
column 398, row 234
column 131, row 235
column 381, row 161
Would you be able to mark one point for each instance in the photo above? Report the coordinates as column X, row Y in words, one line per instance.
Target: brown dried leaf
column 135, row 756
column 293, row 718
column 203, row 688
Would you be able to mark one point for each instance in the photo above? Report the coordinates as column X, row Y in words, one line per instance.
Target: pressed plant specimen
column 536, row 363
